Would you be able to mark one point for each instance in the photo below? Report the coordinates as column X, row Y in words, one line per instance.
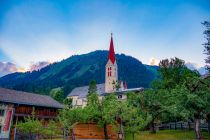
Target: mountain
column 79, row 70
column 193, row 66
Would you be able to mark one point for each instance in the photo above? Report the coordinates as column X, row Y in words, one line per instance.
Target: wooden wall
column 93, row 131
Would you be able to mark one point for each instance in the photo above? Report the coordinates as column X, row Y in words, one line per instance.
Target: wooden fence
column 183, row 125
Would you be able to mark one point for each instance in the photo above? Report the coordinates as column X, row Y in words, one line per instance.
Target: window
column 1, row 112
column 109, row 71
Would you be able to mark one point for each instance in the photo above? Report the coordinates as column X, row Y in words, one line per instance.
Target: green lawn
column 167, row 135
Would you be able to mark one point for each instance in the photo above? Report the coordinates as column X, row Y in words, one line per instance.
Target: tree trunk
column 122, row 129
column 152, row 127
column 105, row 133
column 73, row 137
column 133, row 135
column 197, row 129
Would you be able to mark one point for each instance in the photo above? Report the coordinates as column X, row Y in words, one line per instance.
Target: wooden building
column 15, row 105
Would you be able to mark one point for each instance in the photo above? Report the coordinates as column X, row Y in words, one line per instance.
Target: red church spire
column 111, row 51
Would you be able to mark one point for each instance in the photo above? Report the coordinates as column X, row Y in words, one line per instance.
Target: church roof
column 111, row 51
column 20, row 97
column 82, row 92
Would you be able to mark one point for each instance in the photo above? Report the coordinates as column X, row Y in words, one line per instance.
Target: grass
column 167, row 135
column 164, row 135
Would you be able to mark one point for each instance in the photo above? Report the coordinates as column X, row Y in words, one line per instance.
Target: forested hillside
column 78, row 70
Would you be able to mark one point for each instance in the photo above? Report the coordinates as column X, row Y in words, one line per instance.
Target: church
column 111, row 86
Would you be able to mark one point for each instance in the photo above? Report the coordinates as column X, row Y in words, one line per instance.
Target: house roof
column 82, row 92
column 20, row 97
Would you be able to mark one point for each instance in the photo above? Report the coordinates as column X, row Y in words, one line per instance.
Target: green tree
column 51, row 129
column 207, row 43
column 30, row 126
column 194, row 100
column 103, row 111
column 187, row 94
column 152, row 105
column 129, row 119
column 69, row 118
column 173, row 72
column 57, row 94
column 92, row 87
column 68, row 102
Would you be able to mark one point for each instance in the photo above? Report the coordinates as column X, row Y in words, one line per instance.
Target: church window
column 109, row 71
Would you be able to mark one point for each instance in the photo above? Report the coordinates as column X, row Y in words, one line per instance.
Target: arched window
column 109, row 71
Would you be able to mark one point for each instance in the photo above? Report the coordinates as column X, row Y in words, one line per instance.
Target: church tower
column 111, row 77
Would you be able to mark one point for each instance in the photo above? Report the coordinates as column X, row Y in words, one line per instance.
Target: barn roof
column 20, row 97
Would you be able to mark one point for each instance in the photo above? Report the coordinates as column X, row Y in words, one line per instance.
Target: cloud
column 39, row 65
column 153, row 61
column 7, row 68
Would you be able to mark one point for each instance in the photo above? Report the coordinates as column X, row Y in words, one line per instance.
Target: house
column 111, row 85
column 15, row 105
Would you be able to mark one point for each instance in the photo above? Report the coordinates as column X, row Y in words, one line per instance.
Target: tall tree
column 103, row 111
column 193, row 100
column 129, row 119
column 57, row 94
column 189, row 93
column 68, row 102
column 207, row 43
column 69, row 118
column 173, row 72
column 92, row 87
column 152, row 104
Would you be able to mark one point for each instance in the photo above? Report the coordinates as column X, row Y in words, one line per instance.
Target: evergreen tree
column 57, row 94
column 92, row 87
column 68, row 102
column 207, row 43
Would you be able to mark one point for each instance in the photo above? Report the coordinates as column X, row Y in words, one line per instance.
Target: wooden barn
column 15, row 105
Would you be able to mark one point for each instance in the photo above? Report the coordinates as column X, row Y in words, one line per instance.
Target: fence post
column 175, row 125
column 181, row 126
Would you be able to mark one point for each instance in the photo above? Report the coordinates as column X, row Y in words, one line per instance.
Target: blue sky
column 51, row 30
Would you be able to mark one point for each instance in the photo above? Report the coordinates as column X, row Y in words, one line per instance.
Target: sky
column 36, row 31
